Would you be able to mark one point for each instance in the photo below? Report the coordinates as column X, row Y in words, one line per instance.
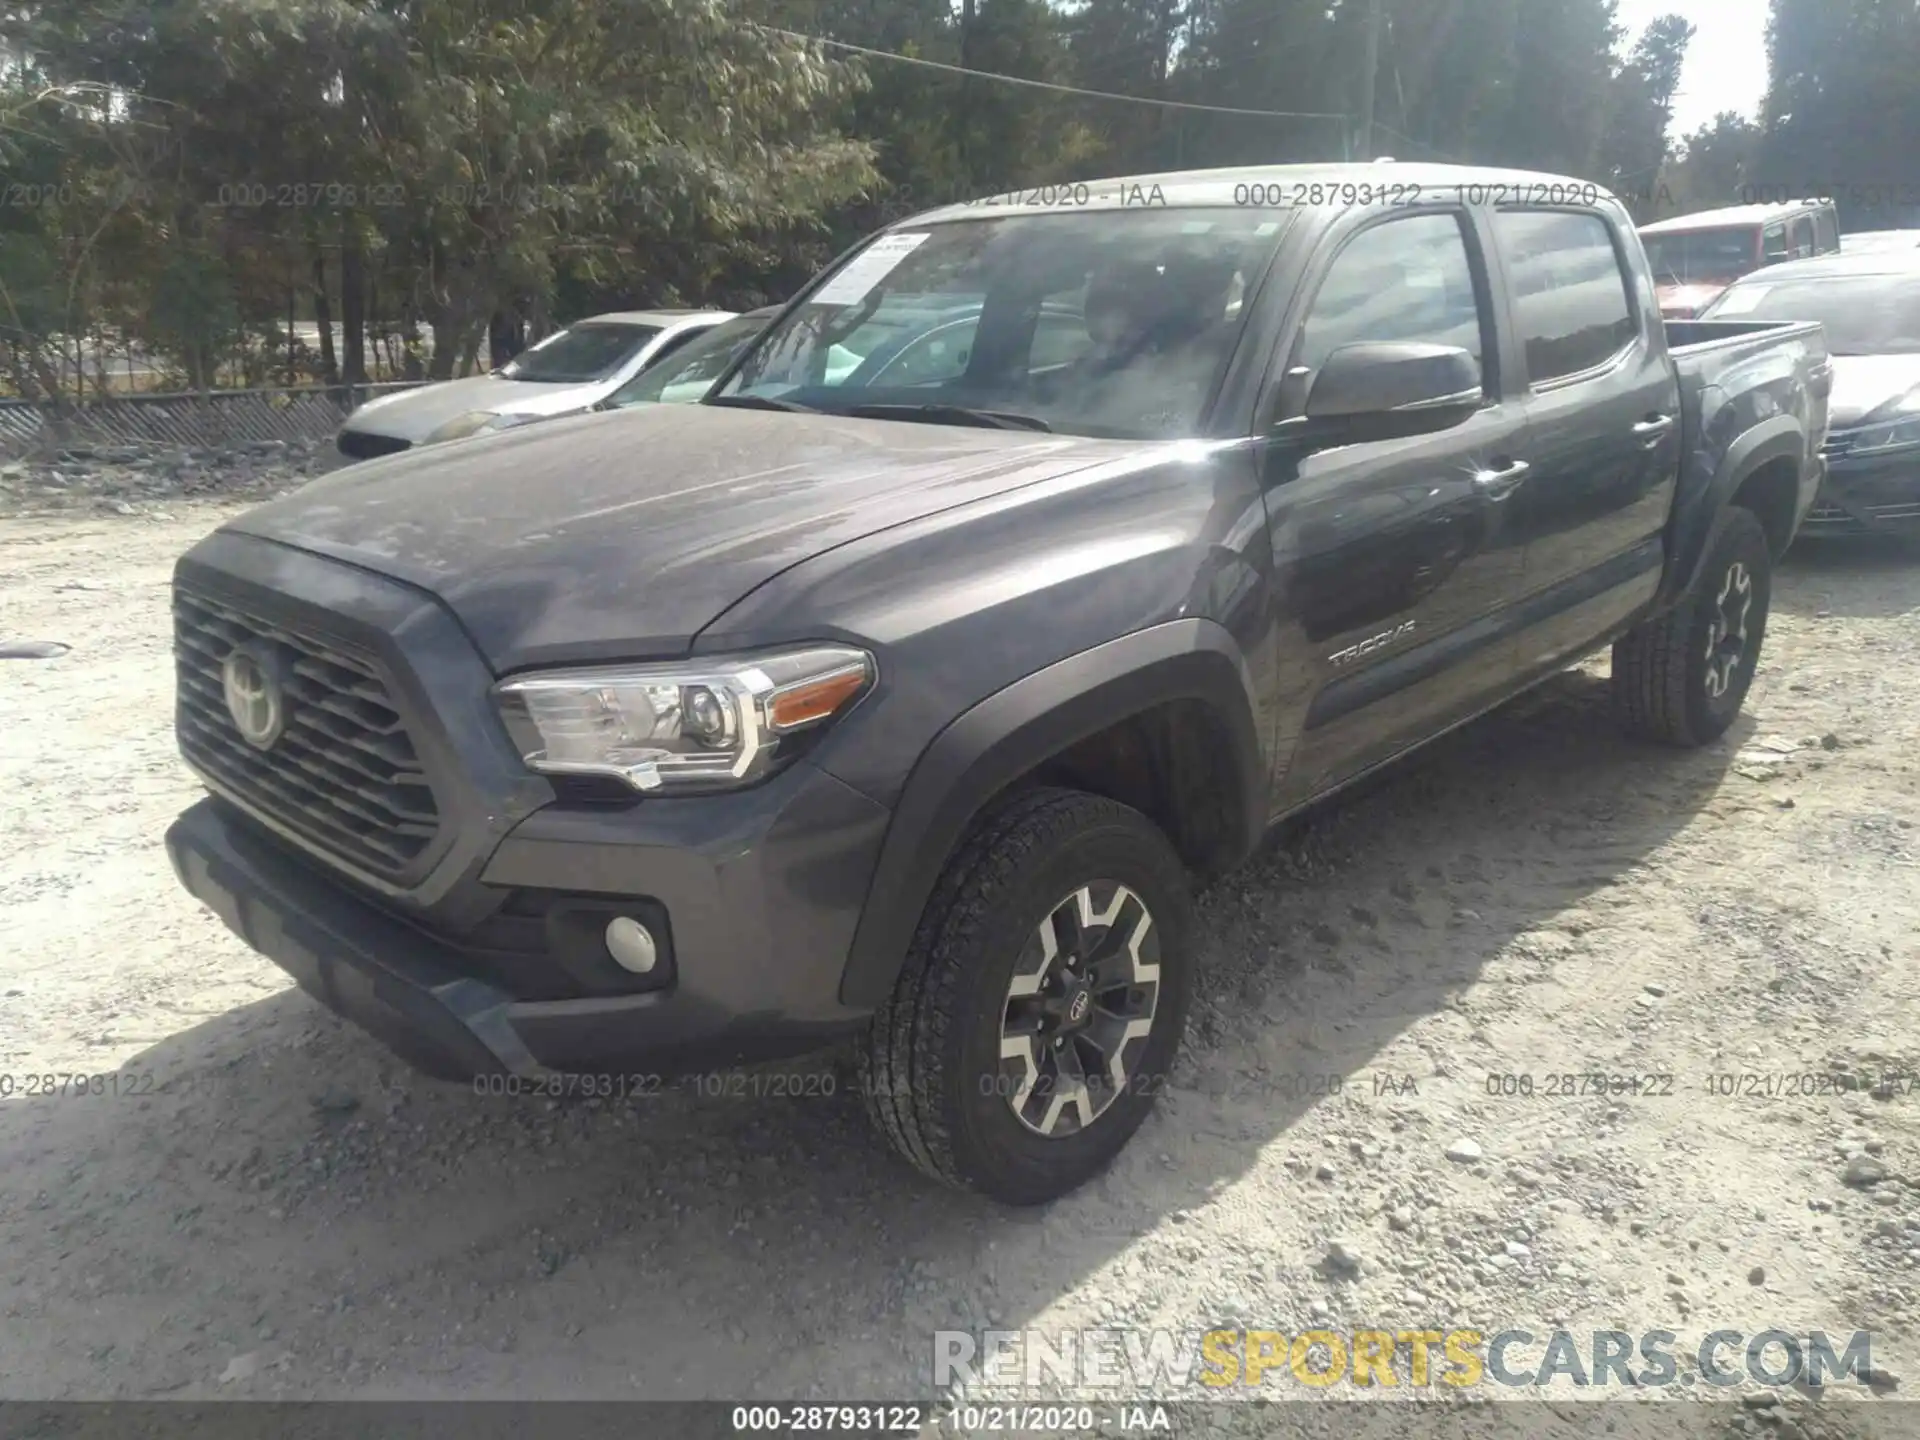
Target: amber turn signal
column 814, row 700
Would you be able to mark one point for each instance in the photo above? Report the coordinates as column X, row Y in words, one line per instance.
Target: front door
column 1392, row 565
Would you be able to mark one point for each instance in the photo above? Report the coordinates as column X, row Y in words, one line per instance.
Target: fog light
column 631, row 944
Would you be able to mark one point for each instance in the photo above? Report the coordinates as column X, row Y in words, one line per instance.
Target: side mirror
column 1387, row 390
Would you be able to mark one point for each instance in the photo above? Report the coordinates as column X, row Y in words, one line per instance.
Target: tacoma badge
column 1371, row 644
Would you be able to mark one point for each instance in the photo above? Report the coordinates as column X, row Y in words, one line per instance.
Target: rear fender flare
column 1778, row 438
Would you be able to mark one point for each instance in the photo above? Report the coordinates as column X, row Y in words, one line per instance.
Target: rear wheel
column 1041, row 1002
column 1682, row 678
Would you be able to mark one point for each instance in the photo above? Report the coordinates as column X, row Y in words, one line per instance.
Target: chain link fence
column 195, row 421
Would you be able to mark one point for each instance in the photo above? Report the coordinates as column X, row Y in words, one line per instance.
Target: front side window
column 1572, row 301
column 1403, row 280
column 1109, row 322
column 1800, row 237
column 581, row 354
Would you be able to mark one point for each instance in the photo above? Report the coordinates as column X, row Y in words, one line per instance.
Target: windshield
column 689, row 372
column 1694, row 257
column 580, row 354
column 898, row 319
column 1862, row 314
column 1101, row 322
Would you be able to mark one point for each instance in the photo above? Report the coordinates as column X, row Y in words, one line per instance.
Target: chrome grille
column 343, row 774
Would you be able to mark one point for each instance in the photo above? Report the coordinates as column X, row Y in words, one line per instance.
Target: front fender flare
column 1016, row 729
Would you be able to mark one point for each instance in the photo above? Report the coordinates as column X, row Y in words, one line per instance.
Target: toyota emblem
column 255, row 699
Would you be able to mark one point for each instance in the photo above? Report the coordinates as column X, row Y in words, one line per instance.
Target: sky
column 1726, row 63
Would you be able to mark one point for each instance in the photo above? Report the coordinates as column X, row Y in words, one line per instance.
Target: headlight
column 713, row 724
column 1897, row 436
column 475, row 421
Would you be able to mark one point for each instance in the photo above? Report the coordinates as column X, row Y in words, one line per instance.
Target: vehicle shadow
column 272, row 1186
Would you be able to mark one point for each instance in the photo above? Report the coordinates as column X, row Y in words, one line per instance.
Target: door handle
column 1653, row 427
column 1499, row 483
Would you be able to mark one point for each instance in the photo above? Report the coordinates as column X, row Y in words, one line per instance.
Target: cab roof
column 1217, row 187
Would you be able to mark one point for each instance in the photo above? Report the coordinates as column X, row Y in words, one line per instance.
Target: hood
column 1689, row 299
column 415, row 414
column 629, row 531
column 1863, row 383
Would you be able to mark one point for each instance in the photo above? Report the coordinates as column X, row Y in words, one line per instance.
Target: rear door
column 1392, row 565
column 1603, row 408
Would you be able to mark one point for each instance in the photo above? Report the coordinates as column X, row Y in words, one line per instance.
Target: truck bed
column 1693, row 336
column 1737, row 374
column 1750, row 368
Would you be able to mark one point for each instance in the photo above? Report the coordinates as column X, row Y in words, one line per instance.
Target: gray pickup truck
column 903, row 704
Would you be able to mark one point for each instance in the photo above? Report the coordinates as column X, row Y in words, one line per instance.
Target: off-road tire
column 929, row 1062
column 1662, row 679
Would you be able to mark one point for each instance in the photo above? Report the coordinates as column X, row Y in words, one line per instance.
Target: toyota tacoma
column 904, row 705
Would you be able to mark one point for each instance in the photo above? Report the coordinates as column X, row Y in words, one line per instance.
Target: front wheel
column 1682, row 678
column 1041, row 1002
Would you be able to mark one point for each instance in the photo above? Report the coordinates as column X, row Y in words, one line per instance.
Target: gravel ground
column 275, row 1208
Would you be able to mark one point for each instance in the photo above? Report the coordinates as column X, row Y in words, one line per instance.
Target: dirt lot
column 287, row 1212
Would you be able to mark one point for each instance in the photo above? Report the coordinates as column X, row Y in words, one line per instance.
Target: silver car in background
column 1868, row 242
column 1869, row 306
column 572, row 369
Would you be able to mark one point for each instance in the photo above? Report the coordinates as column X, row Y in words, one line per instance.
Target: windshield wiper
column 949, row 415
column 761, row 402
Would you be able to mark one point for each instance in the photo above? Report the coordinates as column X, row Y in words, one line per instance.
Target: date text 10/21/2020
column 823, row 1083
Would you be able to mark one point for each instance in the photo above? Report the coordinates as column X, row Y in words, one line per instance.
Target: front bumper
column 1861, row 497
column 360, row 963
column 756, row 945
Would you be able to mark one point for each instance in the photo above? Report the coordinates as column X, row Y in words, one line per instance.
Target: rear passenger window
column 1403, row 280
column 1573, row 301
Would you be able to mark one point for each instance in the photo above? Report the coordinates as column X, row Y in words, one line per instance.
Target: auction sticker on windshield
column 868, row 269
